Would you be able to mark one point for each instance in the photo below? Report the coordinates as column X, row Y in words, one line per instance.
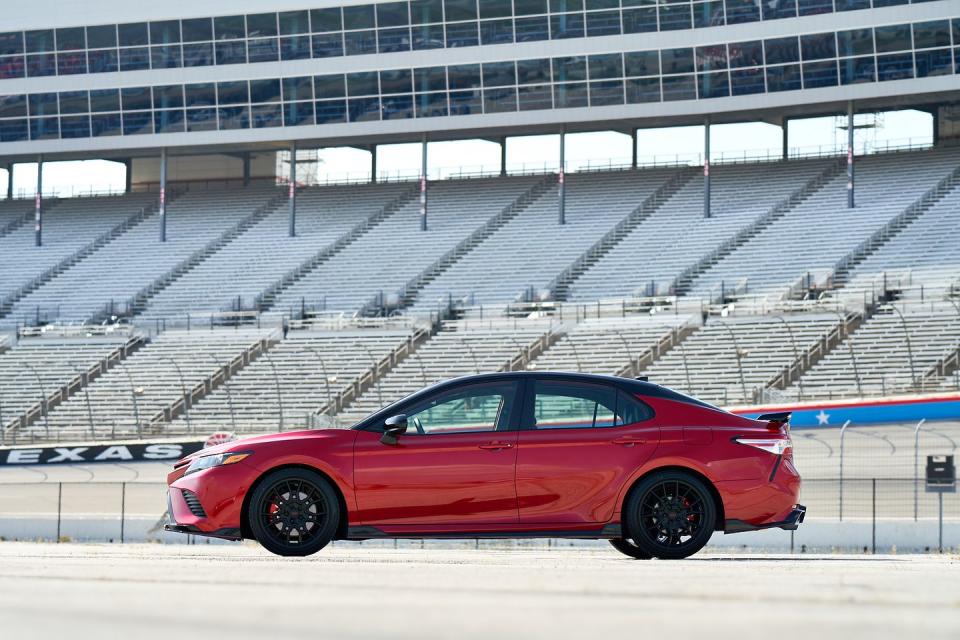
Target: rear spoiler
column 781, row 418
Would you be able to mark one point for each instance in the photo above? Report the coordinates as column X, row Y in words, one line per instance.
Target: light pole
column 633, row 364
column 521, row 350
column 3, row 426
column 853, row 359
column 226, row 386
column 796, row 353
column 576, row 354
column 276, row 380
column 323, row 368
column 43, row 399
column 373, row 361
column 133, row 396
column 739, row 354
column 183, row 390
column 423, row 371
column 906, row 334
column 473, row 355
column 686, row 365
column 86, row 394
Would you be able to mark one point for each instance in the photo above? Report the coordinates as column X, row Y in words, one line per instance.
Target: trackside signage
column 133, row 452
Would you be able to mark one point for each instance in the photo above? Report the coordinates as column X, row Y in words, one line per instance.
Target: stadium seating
column 13, row 212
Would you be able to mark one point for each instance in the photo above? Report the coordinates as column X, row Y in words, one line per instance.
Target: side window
column 631, row 410
column 484, row 407
column 571, row 405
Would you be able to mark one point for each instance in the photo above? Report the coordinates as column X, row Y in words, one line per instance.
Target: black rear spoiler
column 782, row 418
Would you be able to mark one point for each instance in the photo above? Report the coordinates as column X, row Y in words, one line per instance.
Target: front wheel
column 294, row 512
column 670, row 515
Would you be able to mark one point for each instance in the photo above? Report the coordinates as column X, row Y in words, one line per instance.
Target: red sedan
column 508, row 455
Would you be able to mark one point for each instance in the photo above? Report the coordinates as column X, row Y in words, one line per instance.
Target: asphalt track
column 74, row 591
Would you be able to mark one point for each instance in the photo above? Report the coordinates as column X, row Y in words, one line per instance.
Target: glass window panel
column 464, row 76
column 360, row 42
column 137, row 123
column 426, row 11
column 295, row 48
column 711, row 58
column 677, row 61
column 640, row 90
column 708, row 14
column 201, row 95
column 813, row 7
column 529, row 7
column 265, row 90
column 891, row 3
column 934, row 62
column 500, row 100
column 13, row 130
column 102, row 37
column 234, row 92
column 857, row 70
column 496, row 31
column 675, row 16
column 229, row 28
column 329, row 86
column 322, row 20
column 460, row 10
column 71, row 63
column 363, row 109
column 330, row 111
column 108, row 124
column 362, row 84
column 102, row 61
column 197, row 29
column 713, row 85
column 393, row 40
column 13, row 106
column 198, row 55
column 169, row 121
column 496, row 8
column 739, row 11
column 464, row 103
column 818, row 46
column 955, row 28
column 293, row 23
column 39, row 41
column 430, row 105
column 202, row 119
column 747, row 81
column 855, row 42
column 532, row 29
column 44, row 128
column 396, row 81
column 590, row 5
column 168, row 97
column 852, row 5
column 640, row 20
column 606, row 93
column 603, row 23
column 298, row 114
column 263, row 50
column 234, row 117
column 572, row 68
column 166, row 57
column 134, row 59
column 393, row 14
column 892, row 38
column 535, row 97
column 165, row 32
column 266, row 115
column 785, row 78
column 104, row 100
column 746, row 54
column 642, row 63
column 462, row 34
column 428, row 37
column 298, row 88
column 261, row 25
column 397, row 107
column 41, row 64
column 566, row 25
column 497, row 74
column 132, row 35
column 820, row 74
column 12, row 67
column 359, row 17
column 533, row 71
column 570, row 95
column 71, row 39
column 782, row 50
column 779, row 9
column 609, row 65
column 559, row 6
column 560, row 405
column 430, row 79
column 43, row 104
column 11, row 42
column 135, row 98
column 231, row 52
column 328, row 45
column 935, row 33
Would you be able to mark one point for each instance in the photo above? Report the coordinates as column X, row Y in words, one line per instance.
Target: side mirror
column 393, row 427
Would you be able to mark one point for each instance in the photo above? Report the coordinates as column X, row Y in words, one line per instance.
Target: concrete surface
column 156, row 591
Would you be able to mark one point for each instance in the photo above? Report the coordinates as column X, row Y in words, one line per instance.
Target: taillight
column 776, row 446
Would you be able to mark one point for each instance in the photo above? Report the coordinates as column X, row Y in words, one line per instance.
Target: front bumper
column 220, row 492
column 223, row 534
column 790, row 523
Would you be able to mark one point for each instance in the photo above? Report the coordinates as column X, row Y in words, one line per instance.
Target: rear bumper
column 790, row 523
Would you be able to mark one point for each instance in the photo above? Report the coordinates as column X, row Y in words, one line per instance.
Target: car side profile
column 506, row 455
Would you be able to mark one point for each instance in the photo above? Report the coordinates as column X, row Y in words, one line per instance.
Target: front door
column 455, row 465
column 578, row 444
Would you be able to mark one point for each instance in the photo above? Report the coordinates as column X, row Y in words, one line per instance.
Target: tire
column 628, row 547
column 670, row 515
column 298, row 527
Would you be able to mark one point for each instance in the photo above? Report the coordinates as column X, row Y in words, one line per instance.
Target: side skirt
column 607, row 532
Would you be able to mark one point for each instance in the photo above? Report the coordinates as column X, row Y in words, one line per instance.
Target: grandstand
column 230, row 288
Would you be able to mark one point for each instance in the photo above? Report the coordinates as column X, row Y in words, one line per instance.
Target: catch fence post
column 123, row 508
column 940, row 539
column 873, row 528
column 59, row 505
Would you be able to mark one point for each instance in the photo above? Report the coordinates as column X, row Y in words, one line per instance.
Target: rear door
column 578, row 444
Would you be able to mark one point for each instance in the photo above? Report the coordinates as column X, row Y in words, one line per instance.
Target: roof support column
column 246, row 168
column 128, row 175
column 423, row 184
column 562, row 187
column 785, row 132
column 634, row 158
column 9, row 181
column 706, row 168
column 38, row 205
column 292, row 194
column 850, row 198
column 163, row 195
column 503, row 156
column 373, row 163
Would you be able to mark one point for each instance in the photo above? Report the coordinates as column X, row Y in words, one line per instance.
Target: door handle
column 495, row 446
column 628, row 441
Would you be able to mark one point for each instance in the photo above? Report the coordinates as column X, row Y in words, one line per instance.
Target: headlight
column 216, row 460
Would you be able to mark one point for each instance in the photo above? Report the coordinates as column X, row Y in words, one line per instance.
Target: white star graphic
column 823, row 418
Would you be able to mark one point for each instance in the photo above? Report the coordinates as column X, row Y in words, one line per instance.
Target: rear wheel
column 294, row 512
column 670, row 515
column 628, row 547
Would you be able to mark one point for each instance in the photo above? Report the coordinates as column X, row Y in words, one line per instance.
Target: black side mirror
column 393, row 427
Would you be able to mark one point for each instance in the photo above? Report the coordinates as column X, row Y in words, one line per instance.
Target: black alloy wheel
column 670, row 515
column 294, row 512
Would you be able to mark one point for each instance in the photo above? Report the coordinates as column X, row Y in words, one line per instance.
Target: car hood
column 244, row 444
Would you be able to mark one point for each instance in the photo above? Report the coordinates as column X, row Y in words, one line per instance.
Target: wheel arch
column 714, row 492
column 338, row 491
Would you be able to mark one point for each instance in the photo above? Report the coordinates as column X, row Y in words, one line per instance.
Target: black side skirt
column 373, row 533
